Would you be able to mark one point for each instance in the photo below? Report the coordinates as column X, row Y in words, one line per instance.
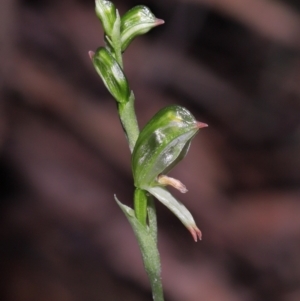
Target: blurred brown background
column 236, row 65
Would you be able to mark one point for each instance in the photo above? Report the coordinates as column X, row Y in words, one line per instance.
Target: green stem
column 119, row 58
column 129, row 122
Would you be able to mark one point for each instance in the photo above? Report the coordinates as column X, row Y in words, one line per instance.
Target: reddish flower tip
column 91, row 54
column 201, row 125
column 196, row 233
column 159, row 22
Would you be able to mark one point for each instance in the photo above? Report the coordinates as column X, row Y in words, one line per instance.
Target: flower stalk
column 161, row 144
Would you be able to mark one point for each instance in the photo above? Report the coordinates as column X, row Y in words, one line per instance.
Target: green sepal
column 106, row 12
column 148, row 247
column 137, row 21
column 112, row 74
column 162, row 143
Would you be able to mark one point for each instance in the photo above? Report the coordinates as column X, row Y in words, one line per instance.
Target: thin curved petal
column 164, row 196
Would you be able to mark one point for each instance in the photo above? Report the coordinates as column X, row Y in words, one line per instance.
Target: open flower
column 163, row 142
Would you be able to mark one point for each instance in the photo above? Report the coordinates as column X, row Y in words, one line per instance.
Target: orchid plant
column 161, row 144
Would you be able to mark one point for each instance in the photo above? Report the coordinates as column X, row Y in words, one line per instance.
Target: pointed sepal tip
column 91, row 54
column 201, row 125
column 159, row 22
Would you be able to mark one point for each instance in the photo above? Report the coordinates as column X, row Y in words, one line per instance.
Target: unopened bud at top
column 106, row 12
column 137, row 21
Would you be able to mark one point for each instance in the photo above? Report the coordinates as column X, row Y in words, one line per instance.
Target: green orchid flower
column 163, row 142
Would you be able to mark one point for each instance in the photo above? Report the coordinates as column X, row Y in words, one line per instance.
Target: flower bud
column 112, row 74
column 106, row 12
column 137, row 21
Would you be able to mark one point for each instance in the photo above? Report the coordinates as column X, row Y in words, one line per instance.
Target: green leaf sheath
column 149, row 251
column 152, row 219
column 140, row 205
column 162, row 143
